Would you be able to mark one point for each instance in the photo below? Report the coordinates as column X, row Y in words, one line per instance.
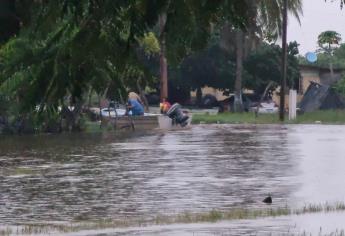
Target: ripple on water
column 204, row 168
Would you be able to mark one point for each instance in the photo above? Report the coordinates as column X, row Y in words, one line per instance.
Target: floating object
column 311, row 57
column 268, row 199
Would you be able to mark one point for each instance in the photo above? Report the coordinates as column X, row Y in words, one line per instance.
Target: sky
column 318, row 16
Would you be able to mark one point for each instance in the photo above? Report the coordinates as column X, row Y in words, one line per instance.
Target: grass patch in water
column 20, row 171
column 92, row 127
column 325, row 117
column 184, row 218
column 236, row 118
column 96, row 127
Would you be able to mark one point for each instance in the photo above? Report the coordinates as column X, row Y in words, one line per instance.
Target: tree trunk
column 238, row 103
column 331, row 69
column 143, row 97
column 250, row 37
column 72, row 117
column 162, row 58
column 284, row 64
column 198, row 96
column 89, row 99
column 330, row 60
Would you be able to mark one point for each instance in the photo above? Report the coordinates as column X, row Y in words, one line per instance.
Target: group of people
column 135, row 106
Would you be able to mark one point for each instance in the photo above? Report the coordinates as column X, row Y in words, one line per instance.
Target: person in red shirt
column 164, row 106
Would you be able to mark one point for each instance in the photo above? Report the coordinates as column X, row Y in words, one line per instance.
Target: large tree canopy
column 215, row 67
column 327, row 40
column 67, row 46
column 264, row 66
column 52, row 50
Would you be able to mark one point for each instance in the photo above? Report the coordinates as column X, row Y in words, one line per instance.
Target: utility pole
column 284, row 63
column 163, row 65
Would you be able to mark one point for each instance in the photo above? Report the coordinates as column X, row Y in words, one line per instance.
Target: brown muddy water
column 65, row 178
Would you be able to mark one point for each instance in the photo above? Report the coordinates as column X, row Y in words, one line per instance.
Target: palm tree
column 238, row 103
column 342, row 2
column 328, row 41
column 264, row 21
column 270, row 15
column 163, row 65
column 185, row 26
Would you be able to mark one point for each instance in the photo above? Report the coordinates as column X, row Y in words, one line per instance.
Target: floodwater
column 61, row 178
column 330, row 224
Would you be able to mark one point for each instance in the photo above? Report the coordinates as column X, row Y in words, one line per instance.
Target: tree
column 9, row 22
column 66, row 49
column 328, row 41
column 216, row 67
column 270, row 16
column 213, row 67
column 238, row 103
column 263, row 67
column 265, row 19
column 342, row 2
column 185, row 26
column 338, row 60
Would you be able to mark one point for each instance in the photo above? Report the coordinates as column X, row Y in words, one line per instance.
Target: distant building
column 309, row 73
column 320, row 75
column 312, row 73
column 217, row 93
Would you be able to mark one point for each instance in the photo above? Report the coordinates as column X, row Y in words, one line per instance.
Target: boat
column 166, row 123
column 118, row 118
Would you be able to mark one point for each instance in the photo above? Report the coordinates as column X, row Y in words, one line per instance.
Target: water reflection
column 77, row 177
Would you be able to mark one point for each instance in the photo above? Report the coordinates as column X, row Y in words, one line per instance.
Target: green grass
column 92, row 127
column 236, row 118
column 95, row 127
column 184, row 218
column 19, row 171
column 324, row 117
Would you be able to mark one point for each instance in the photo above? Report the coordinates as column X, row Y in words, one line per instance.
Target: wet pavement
column 90, row 177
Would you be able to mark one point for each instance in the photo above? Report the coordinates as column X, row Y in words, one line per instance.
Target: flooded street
column 91, row 177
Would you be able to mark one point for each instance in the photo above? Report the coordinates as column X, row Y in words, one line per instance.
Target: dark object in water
column 268, row 199
column 176, row 114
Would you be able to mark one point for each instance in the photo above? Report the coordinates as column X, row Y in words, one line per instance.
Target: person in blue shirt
column 135, row 105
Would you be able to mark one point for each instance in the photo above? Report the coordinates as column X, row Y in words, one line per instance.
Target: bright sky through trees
column 318, row 16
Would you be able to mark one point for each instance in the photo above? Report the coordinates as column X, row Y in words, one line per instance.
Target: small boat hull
column 132, row 122
column 146, row 122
